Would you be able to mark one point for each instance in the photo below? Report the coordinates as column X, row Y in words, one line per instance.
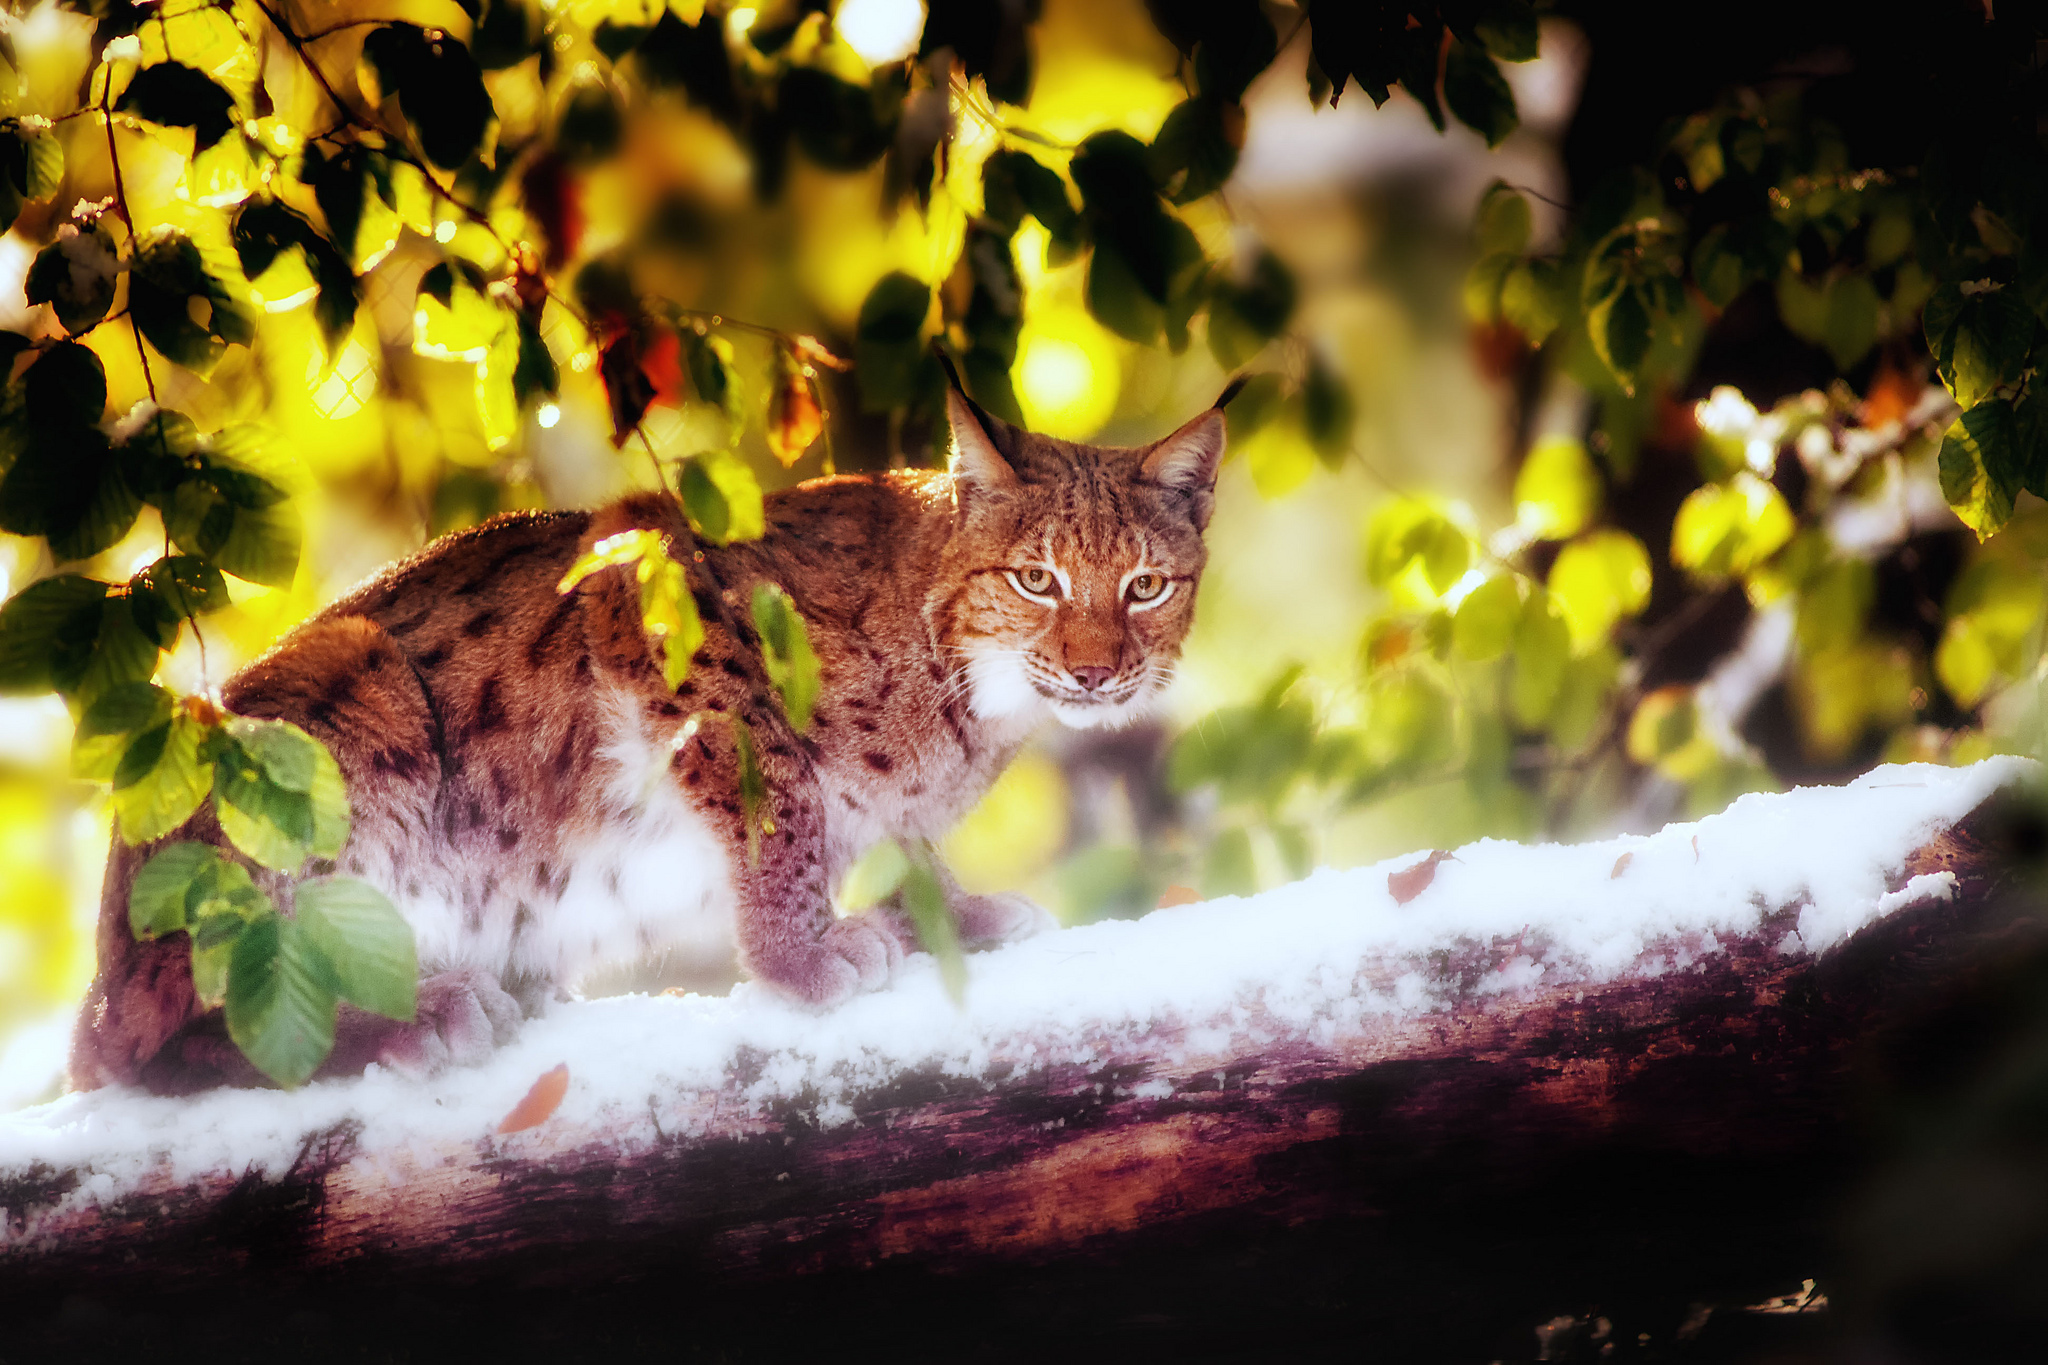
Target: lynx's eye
column 1146, row 586
column 1036, row 582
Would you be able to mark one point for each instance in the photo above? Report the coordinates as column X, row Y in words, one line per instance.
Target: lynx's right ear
column 1186, row 463
column 977, row 463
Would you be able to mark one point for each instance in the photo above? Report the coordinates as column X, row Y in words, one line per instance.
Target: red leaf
column 1621, row 866
column 1413, row 880
column 555, row 203
column 1178, row 895
column 625, row 384
column 540, row 1101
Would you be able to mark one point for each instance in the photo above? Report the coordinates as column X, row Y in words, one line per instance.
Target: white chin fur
column 999, row 690
column 1102, row 715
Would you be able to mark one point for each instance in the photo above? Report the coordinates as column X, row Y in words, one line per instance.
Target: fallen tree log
column 1430, row 1108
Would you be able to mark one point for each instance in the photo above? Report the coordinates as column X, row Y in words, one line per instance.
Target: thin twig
column 142, row 355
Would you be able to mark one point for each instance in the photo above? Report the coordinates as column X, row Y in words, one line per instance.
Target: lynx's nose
column 1092, row 676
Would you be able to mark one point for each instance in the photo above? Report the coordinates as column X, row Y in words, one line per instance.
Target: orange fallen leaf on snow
column 540, row 1101
column 1621, row 865
column 1178, row 895
column 1410, row 882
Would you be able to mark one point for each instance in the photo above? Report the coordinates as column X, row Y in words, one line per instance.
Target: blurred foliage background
column 1623, row 433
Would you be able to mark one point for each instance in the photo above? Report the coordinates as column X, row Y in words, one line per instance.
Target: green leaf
column 1405, row 529
column 439, row 87
column 1980, row 466
column 1245, row 314
column 836, row 122
column 275, row 824
column 1531, row 299
column 1328, row 414
column 288, row 756
column 668, row 613
column 158, row 898
column 924, row 899
column 753, row 790
column 187, row 314
column 457, row 317
column 111, row 722
column 160, row 780
column 47, row 634
column 265, row 229
column 1193, row 155
column 230, row 514
column 722, row 497
column 1502, row 223
column 711, row 372
column 281, row 994
column 31, row 168
column 368, row 943
column 887, row 352
column 591, row 126
column 1979, row 336
column 66, row 387
column 1118, row 298
column 535, row 375
column 1620, row 327
column 1484, row 627
column 1851, row 327
column 120, row 653
column 172, row 589
column 874, row 876
column 1478, row 94
column 340, row 183
column 176, row 96
column 1543, row 647
column 75, row 274
column 1015, row 183
column 67, row 486
column 786, row 653
column 1508, row 29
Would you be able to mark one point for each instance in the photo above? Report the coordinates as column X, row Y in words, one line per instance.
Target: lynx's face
column 1076, row 568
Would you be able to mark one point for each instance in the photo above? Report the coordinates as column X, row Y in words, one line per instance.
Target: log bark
column 1435, row 1185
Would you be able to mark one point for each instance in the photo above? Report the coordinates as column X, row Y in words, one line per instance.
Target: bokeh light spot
column 1067, row 377
column 880, row 30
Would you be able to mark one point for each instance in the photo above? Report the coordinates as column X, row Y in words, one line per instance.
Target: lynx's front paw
column 852, row 955
column 988, row 920
column 462, row 1015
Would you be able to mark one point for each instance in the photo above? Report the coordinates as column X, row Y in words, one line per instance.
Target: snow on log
column 1615, row 1062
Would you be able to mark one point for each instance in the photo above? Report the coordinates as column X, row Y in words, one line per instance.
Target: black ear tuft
column 1230, row 391
column 978, row 465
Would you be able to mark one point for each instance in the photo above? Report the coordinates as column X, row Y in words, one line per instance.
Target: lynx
column 523, row 786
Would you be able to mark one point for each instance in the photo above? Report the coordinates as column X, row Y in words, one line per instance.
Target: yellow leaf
column 1598, row 580
column 1558, row 491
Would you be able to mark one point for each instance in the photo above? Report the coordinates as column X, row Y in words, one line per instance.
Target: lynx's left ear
column 1186, row 462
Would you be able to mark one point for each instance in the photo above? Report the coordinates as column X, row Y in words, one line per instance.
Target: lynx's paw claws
column 852, row 955
column 988, row 920
column 462, row 1015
